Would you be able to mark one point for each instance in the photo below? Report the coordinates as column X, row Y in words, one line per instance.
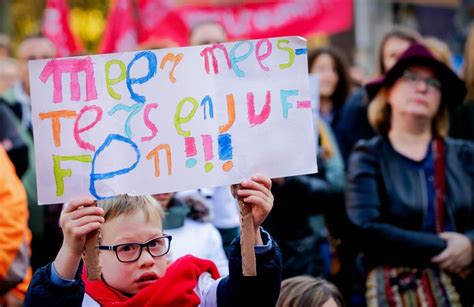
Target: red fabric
column 427, row 290
column 280, row 18
column 440, row 184
column 169, row 19
column 121, row 33
column 56, row 28
column 158, row 21
column 388, row 286
column 176, row 288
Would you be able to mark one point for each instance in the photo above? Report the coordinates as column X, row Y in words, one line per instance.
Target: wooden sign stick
column 247, row 236
column 90, row 255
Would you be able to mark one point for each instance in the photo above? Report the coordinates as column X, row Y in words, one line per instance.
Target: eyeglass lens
column 430, row 82
column 131, row 252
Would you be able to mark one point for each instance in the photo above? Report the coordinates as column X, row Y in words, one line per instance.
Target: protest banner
column 158, row 121
column 135, row 22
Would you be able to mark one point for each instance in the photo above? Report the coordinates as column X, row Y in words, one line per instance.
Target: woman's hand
column 256, row 192
column 79, row 218
column 457, row 256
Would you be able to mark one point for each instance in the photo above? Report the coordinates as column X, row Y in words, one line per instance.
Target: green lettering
column 178, row 120
column 60, row 173
column 290, row 51
column 114, row 81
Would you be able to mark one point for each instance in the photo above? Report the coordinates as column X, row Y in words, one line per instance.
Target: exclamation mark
column 190, row 149
column 225, row 151
column 208, row 155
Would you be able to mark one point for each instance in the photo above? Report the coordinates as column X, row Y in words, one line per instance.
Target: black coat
column 353, row 123
column 385, row 202
column 9, row 132
column 461, row 122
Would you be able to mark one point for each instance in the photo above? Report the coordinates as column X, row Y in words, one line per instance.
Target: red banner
column 121, row 33
column 56, row 28
column 166, row 19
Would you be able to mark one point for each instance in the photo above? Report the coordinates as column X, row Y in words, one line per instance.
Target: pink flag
column 56, row 28
column 121, row 33
column 129, row 25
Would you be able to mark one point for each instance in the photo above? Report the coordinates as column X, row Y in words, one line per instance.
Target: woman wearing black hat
column 410, row 190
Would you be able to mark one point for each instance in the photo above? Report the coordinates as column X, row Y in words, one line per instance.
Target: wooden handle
column 91, row 256
column 247, row 237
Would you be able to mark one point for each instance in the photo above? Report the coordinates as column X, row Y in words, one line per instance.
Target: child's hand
column 256, row 193
column 79, row 218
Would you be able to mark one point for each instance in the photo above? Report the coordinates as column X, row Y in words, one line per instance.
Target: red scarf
column 176, row 288
column 440, row 184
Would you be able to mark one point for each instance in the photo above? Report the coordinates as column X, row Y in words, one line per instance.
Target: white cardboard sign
column 166, row 120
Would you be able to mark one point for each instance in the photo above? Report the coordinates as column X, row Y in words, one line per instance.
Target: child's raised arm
column 264, row 288
column 256, row 193
column 79, row 218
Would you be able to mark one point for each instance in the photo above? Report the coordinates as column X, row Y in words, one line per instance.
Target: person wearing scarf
column 134, row 271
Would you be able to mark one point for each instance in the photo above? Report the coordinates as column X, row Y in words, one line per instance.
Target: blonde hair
column 379, row 113
column 400, row 32
column 439, row 49
column 25, row 45
column 157, row 43
column 468, row 72
column 307, row 291
column 126, row 205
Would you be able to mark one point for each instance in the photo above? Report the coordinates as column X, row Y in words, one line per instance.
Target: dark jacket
column 233, row 290
column 461, row 122
column 10, row 133
column 353, row 123
column 384, row 200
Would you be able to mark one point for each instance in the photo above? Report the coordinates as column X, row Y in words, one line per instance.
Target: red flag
column 56, row 28
column 158, row 21
column 121, row 33
column 148, row 20
column 259, row 19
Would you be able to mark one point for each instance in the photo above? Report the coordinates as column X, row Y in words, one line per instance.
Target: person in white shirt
column 187, row 220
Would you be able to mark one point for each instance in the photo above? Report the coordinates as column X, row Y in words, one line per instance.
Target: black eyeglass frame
column 430, row 82
column 142, row 245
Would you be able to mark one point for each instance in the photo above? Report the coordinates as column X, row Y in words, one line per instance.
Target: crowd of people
column 388, row 220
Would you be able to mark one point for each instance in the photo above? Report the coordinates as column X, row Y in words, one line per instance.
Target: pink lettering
column 261, row 57
column 57, row 67
column 304, row 104
column 207, row 146
column 148, row 123
column 190, row 146
column 210, row 50
column 262, row 117
column 77, row 131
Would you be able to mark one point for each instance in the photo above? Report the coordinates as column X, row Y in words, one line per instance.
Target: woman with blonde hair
column 410, row 189
column 308, row 291
column 353, row 124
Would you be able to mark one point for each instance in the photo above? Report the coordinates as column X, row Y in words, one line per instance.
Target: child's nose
column 146, row 259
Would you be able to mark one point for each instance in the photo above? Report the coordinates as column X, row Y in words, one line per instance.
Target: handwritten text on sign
column 171, row 119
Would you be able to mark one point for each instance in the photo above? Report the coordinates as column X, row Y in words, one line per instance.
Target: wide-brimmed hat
column 453, row 88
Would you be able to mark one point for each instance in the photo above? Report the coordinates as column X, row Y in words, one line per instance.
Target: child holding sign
column 134, row 271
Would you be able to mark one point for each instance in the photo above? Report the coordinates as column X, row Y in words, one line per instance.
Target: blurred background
column 364, row 40
column 352, row 25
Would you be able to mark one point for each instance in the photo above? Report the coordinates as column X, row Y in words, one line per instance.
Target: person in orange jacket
column 15, row 237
